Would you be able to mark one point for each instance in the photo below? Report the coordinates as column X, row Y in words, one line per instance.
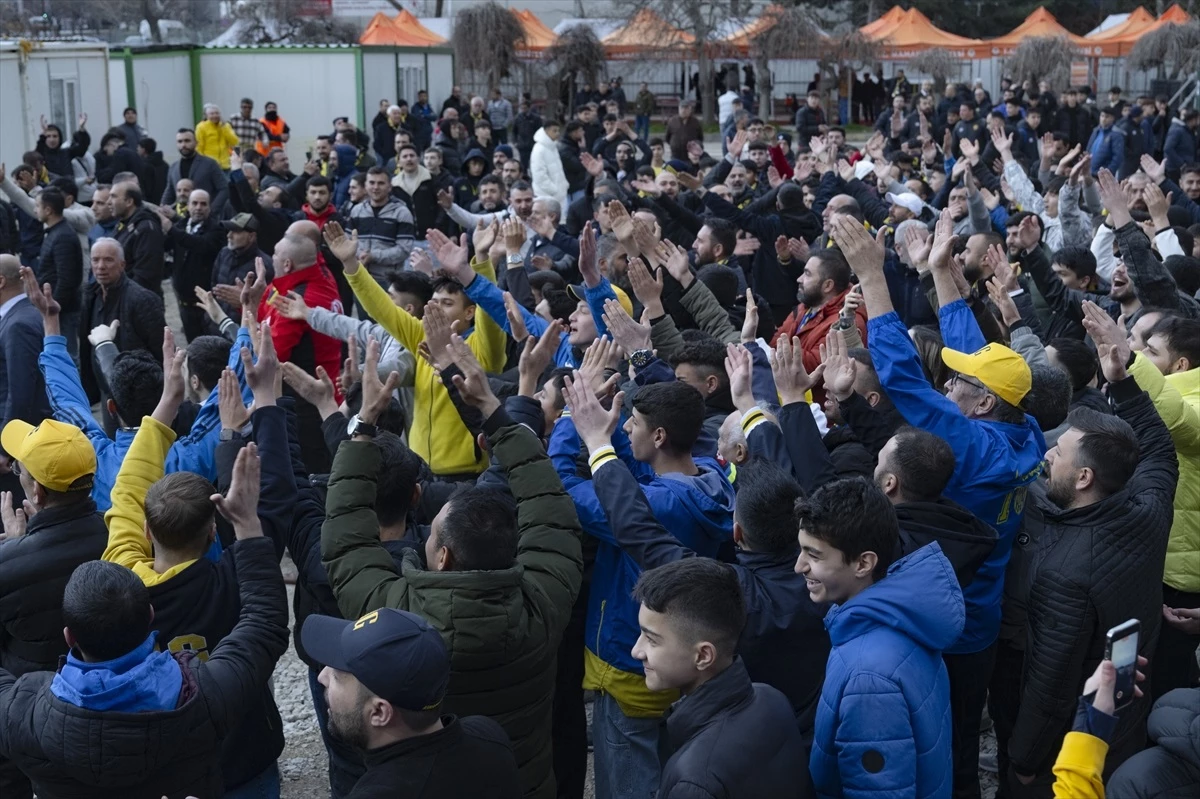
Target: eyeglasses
column 970, row 381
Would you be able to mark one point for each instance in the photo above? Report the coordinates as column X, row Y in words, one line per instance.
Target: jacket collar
column 60, row 514
column 282, row 284
column 766, row 561
column 450, row 734
column 719, row 696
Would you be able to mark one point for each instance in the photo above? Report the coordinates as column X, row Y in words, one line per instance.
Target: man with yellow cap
column 57, row 529
column 998, row 449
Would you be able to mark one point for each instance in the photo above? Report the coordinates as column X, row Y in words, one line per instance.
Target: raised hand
column 1001, row 268
column 255, row 285
column 943, row 241
column 845, row 170
column 240, row 504
column 484, row 236
column 1113, row 198
column 594, row 424
column 472, row 384
column 1009, row 314
column 1155, row 170
column 746, row 245
column 739, row 367
column 690, row 182
column 419, row 261
column 516, row 320
column 646, row 186
column 735, row 145
column 750, row 323
column 40, row 297
column 840, row 368
column 629, row 335
column 317, row 391
column 677, row 262
column 969, row 150
column 445, row 199
column 173, row 387
column 593, row 165
column 1081, row 171
column 343, row 247
column 1111, row 343
column 452, row 256
column 14, row 520
column 863, row 253
column 648, row 289
column 1157, row 204
column 260, row 376
column 918, row 243
column 536, row 356
column 774, row 179
column 798, row 248
column 1029, row 233
column 787, row 366
column 230, row 408
column 376, row 393
column 438, row 330
column 291, row 305
column 588, row 265
column 621, row 221
column 513, row 232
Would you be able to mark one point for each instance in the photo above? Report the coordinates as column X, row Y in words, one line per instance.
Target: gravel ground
column 303, row 765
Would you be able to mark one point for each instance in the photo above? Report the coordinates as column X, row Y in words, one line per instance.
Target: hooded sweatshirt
column 347, row 156
column 697, row 510
column 138, row 681
column 965, row 540
column 883, row 723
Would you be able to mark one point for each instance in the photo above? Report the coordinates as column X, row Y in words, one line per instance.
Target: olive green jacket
column 503, row 627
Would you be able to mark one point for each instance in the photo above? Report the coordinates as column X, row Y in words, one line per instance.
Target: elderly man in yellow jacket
column 1168, row 368
column 437, row 434
column 215, row 137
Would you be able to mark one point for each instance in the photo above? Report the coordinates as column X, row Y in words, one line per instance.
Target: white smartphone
column 1121, row 647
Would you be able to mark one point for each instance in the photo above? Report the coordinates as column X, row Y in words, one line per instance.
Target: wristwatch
column 641, row 358
column 513, row 260
column 358, row 427
column 229, row 434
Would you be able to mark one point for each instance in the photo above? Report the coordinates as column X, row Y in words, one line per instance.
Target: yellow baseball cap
column 996, row 366
column 56, row 455
column 577, row 291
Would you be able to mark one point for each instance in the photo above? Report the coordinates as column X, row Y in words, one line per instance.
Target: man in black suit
column 22, row 388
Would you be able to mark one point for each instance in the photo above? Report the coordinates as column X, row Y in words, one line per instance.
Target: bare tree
column 282, row 21
column 794, row 33
column 485, row 40
column 937, row 64
column 1042, row 58
column 847, row 51
column 700, row 19
column 1172, row 49
column 576, row 53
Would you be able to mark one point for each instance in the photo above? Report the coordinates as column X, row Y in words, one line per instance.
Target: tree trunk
column 151, row 17
column 766, row 105
column 707, row 94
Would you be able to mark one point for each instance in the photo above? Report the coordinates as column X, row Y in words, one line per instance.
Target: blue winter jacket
column 488, row 296
column 698, row 511
column 994, row 462
column 883, row 723
column 1107, row 148
column 194, row 452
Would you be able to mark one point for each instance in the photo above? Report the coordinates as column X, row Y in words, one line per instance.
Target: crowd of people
column 800, row 466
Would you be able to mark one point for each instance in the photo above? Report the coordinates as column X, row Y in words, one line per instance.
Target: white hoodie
column 546, row 169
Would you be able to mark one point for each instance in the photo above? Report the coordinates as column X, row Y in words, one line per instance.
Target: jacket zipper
column 603, row 605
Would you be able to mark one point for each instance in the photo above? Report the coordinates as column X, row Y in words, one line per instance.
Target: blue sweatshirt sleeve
column 960, row 331
column 595, row 299
column 762, row 381
column 68, row 400
column 635, row 528
column 487, row 295
column 900, row 373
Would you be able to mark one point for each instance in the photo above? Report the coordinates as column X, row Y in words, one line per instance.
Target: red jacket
column 294, row 340
column 812, row 333
column 322, row 218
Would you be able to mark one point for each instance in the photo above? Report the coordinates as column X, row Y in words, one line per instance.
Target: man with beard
column 385, row 677
column 1103, row 521
column 204, row 172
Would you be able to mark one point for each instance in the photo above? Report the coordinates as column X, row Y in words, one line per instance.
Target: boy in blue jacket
column 883, row 722
column 693, row 499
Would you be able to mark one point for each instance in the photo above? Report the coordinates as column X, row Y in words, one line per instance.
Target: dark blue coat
column 883, row 724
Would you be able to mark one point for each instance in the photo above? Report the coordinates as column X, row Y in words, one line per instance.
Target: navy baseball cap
column 397, row 655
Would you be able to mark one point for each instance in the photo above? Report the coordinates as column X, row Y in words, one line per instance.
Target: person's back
column 119, row 718
column 502, row 619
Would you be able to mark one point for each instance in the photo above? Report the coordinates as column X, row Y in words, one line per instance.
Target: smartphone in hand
column 1121, row 647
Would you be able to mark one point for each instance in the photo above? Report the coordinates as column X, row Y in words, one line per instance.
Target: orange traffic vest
column 274, row 136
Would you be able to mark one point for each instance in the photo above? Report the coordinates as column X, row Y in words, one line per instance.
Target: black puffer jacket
column 34, row 570
column 707, row 730
column 69, row 752
column 1170, row 770
column 1096, row 567
column 61, row 265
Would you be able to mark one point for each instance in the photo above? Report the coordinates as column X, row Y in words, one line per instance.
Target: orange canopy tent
column 537, row 36
column 742, row 39
column 891, row 17
column 404, row 30
column 1119, row 40
column 910, row 32
column 1040, row 23
column 645, row 34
